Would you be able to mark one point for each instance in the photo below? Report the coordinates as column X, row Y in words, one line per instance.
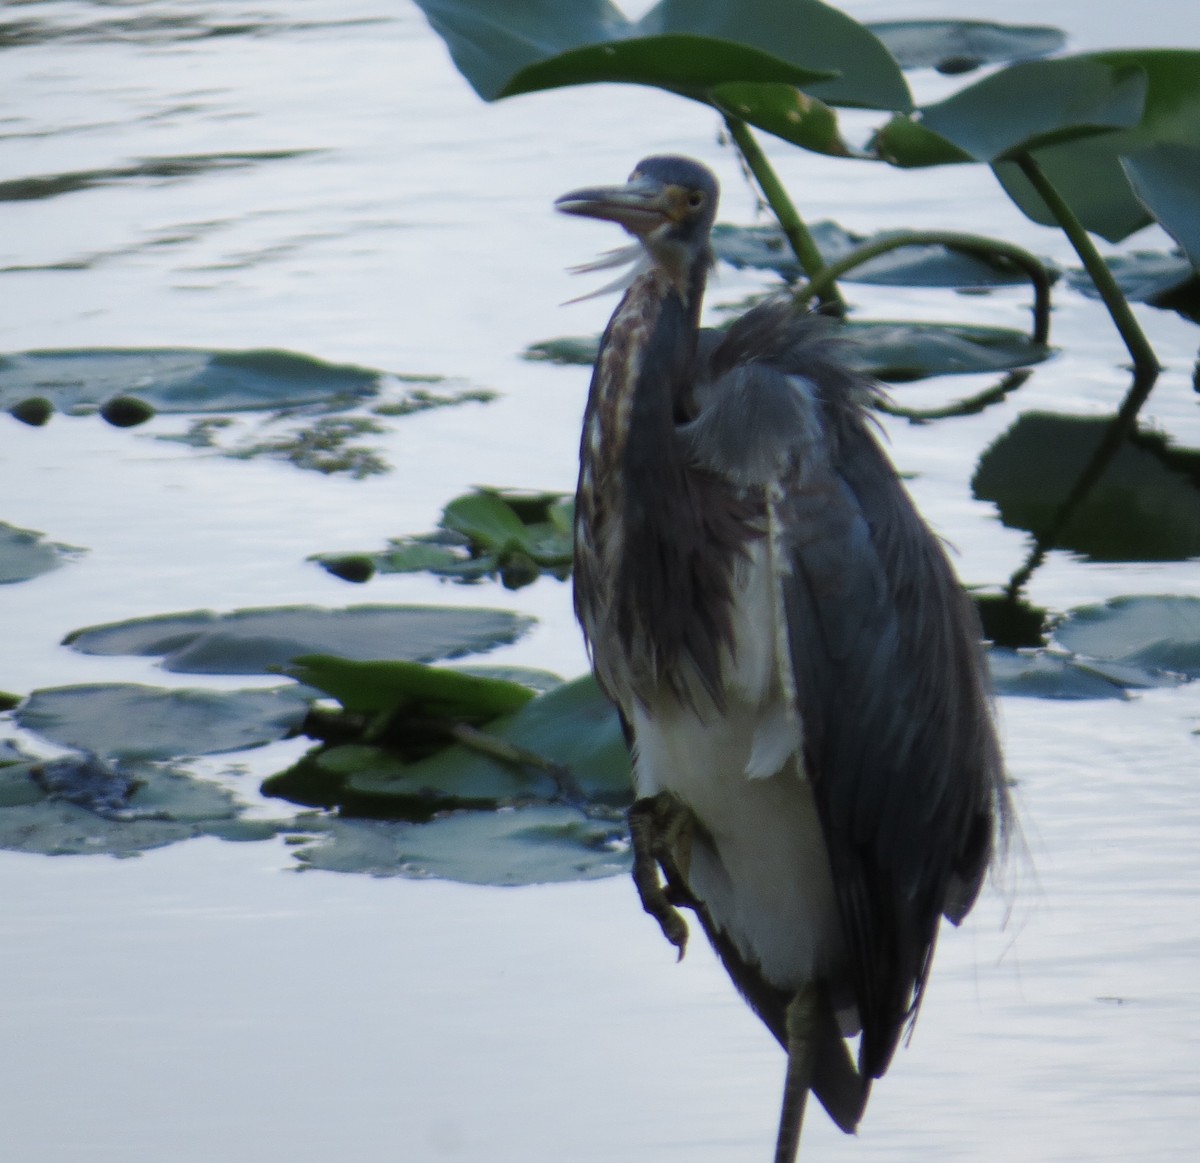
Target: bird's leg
column 660, row 829
column 803, row 1027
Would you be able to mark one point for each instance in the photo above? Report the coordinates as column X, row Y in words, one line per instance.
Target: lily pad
column 1145, row 506
column 532, row 845
column 1149, row 633
column 1154, row 277
column 79, row 805
column 958, row 46
column 82, row 380
column 504, row 47
column 902, row 352
column 131, row 721
column 1089, row 173
column 765, row 247
column 256, row 641
column 24, row 554
column 488, row 532
column 1040, row 675
column 573, row 727
column 391, row 687
column 1166, row 179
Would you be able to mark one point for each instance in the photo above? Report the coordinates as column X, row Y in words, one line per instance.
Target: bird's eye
column 695, row 199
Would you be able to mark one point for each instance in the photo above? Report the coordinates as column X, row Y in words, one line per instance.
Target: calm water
column 198, row 1003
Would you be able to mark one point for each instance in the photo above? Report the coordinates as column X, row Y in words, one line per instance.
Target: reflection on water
column 314, row 177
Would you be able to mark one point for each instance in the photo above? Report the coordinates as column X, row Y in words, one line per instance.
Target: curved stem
column 792, row 225
column 970, row 243
column 969, row 406
column 1145, row 363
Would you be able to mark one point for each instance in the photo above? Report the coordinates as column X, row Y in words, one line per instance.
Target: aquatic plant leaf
column 163, row 806
column 389, row 687
column 256, row 641
column 1089, row 174
column 1154, row 277
column 179, row 379
column 957, row 46
column 902, row 352
column 504, row 47
column 787, row 113
column 1048, row 676
column 24, row 554
column 1145, row 506
column 132, row 721
column 1166, row 180
column 1026, row 107
column 573, row 726
column 570, row 349
column 765, row 247
column 532, row 845
column 1150, row 633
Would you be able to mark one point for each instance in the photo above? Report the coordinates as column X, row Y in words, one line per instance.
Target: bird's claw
column 656, row 825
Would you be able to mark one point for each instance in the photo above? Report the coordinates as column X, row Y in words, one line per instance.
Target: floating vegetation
column 325, row 445
column 509, row 534
column 24, row 554
column 257, row 641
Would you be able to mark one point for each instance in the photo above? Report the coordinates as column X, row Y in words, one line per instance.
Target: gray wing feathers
column 885, row 654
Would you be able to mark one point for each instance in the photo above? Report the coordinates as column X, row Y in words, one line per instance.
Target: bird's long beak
column 640, row 205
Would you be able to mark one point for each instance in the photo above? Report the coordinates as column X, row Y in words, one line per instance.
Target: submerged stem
column 794, row 229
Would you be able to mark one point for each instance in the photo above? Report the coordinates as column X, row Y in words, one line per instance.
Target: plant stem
column 1145, row 363
column 970, row 243
column 790, row 222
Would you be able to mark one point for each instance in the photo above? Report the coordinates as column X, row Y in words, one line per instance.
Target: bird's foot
column 660, row 828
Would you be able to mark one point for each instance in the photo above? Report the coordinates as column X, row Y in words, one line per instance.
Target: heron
column 799, row 674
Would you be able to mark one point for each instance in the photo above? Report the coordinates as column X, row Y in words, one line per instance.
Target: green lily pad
column 1089, row 173
column 24, row 554
column 392, row 687
column 49, row 808
column 131, row 721
column 1154, row 277
column 179, row 380
column 571, row 349
column 504, row 47
column 957, row 46
column 572, row 726
column 509, row 534
column 256, row 641
column 1027, row 106
column 1148, row 633
column 1166, row 179
column 786, row 112
column 532, row 845
column 1144, row 507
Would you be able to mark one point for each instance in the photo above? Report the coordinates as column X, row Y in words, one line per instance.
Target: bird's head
column 669, row 205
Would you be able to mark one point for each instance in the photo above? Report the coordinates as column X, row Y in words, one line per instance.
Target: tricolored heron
column 798, row 671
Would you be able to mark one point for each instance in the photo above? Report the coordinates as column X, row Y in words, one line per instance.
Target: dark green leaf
column 907, row 143
column 389, row 687
column 1048, row 676
column 574, row 349
column 1088, row 174
column 255, row 641
column 684, row 64
column 130, row 721
column 786, row 112
column 573, row 725
column 1039, row 103
column 1166, row 179
column 23, row 554
column 956, row 46
column 1145, row 506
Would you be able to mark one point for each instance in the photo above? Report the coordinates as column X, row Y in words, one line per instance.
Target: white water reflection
column 197, row 1004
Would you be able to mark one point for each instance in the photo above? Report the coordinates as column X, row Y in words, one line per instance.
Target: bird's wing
column 884, row 657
